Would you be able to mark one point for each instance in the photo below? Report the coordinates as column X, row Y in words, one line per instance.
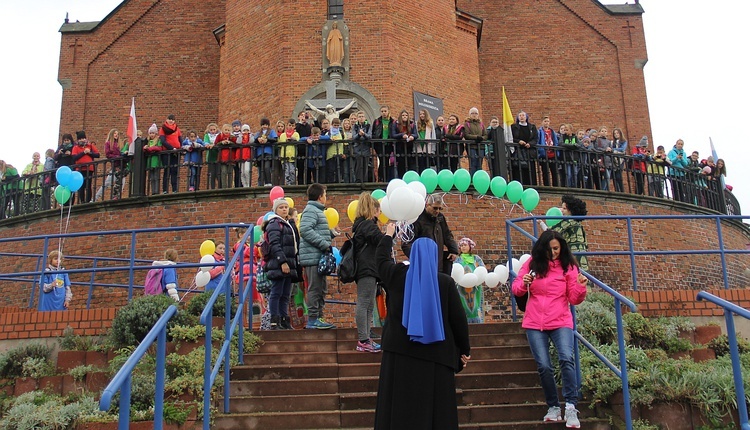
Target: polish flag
column 132, row 129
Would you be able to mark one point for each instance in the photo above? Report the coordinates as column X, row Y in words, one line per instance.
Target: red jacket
column 80, row 157
column 171, row 136
column 226, row 154
column 639, row 154
column 246, row 152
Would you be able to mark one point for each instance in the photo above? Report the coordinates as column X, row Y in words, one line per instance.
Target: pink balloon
column 276, row 193
column 260, row 221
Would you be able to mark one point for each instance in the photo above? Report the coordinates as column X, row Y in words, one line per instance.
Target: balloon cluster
column 69, row 181
column 207, row 249
column 403, row 201
column 481, row 275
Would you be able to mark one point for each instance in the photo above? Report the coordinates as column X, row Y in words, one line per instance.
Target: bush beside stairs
column 308, row 379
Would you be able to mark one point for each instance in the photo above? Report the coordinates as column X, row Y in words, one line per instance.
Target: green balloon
column 411, row 176
column 445, row 180
column 481, row 181
column 462, row 180
column 378, row 194
column 257, row 233
column 514, row 191
column 62, row 194
column 498, row 186
column 429, row 178
column 553, row 212
column 530, row 199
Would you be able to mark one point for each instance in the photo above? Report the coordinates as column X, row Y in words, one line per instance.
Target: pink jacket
column 550, row 297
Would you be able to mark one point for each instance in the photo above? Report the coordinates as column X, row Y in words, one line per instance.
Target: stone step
column 476, row 417
column 275, row 358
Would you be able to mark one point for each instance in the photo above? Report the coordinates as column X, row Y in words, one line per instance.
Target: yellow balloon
column 332, row 216
column 290, row 201
column 351, row 211
column 208, row 247
column 382, row 218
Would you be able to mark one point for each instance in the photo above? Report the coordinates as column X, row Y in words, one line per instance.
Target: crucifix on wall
column 630, row 34
column 331, row 107
column 75, row 45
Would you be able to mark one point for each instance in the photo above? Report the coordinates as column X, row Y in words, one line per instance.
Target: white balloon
column 393, row 186
column 385, row 207
column 401, row 202
column 206, row 259
column 514, row 265
column 502, row 271
column 418, row 188
column 411, row 220
column 492, row 279
column 523, row 258
column 469, row 280
column 417, row 205
column 202, row 279
column 481, row 273
column 457, row 272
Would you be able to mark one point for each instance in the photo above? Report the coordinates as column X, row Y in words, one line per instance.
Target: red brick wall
column 566, row 58
column 483, row 220
column 37, row 325
column 162, row 52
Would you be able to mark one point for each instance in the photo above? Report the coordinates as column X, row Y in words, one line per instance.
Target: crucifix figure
column 75, row 45
column 630, row 35
column 331, row 107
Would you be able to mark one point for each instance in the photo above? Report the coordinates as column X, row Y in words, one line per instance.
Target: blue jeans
column 476, row 156
column 563, row 341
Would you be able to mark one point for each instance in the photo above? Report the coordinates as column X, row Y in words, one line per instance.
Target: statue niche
column 335, row 55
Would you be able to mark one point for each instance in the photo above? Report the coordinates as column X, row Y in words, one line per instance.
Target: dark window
column 335, row 9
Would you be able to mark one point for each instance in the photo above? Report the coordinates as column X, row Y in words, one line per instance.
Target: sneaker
column 375, row 345
column 553, row 414
column 319, row 324
column 191, row 189
column 366, row 346
column 571, row 418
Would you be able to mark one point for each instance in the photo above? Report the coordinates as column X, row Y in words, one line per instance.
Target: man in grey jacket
column 315, row 240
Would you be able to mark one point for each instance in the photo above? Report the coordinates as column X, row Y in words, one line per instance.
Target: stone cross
column 338, row 104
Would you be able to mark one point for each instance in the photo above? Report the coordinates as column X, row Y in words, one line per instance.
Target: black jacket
column 436, row 228
column 283, row 240
column 367, row 236
column 395, row 337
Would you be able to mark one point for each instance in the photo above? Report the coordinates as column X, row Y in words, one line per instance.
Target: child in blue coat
column 56, row 294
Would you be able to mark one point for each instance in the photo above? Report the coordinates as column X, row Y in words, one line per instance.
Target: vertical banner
column 433, row 105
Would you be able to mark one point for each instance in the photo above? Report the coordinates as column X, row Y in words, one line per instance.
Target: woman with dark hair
column 523, row 156
column 454, row 133
column 619, row 146
column 553, row 283
column 405, row 132
column 572, row 230
column 425, row 340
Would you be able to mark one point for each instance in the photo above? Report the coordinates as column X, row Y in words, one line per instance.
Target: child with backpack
column 163, row 278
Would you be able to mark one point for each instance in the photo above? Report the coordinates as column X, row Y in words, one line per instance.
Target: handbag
column 262, row 283
column 521, row 301
column 327, row 263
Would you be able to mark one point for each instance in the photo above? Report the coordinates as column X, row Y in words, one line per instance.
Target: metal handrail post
column 722, row 253
column 623, row 365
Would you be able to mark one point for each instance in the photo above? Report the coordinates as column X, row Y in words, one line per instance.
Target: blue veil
column 423, row 316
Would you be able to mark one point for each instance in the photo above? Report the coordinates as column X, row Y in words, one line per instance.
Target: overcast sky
column 695, row 83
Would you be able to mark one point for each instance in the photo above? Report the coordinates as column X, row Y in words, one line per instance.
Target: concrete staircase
column 316, row 380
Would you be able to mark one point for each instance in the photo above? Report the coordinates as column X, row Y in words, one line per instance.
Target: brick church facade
column 217, row 60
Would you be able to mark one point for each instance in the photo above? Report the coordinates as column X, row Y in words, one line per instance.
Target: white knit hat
column 278, row 202
column 153, row 129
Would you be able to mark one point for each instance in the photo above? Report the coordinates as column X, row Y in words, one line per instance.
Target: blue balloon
column 75, row 182
column 64, row 175
column 337, row 255
column 268, row 215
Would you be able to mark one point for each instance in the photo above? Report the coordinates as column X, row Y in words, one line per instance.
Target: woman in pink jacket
column 552, row 281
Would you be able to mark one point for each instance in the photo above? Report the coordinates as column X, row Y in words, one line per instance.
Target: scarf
column 422, row 314
column 468, row 259
column 167, row 130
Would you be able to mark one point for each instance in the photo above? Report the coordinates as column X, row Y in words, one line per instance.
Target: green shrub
column 596, row 323
column 11, row 363
column 39, row 410
column 37, row 367
column 720, row 345
column 133, row 321
column 644, row 333
column 198, row 303
column 69, row 341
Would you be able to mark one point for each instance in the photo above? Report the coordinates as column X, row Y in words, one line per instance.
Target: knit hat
column 80, row 135
column 473, row 110
column 644, row 141
column 245, row 127
column 236, row 123
column 278, row 202
column 467, row 241
column 153, row 129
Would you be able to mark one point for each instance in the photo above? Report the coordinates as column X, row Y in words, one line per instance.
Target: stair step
column 299, row 346
column 287, row 387
column 273, row 358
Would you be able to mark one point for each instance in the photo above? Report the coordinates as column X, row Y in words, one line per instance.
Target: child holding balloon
column 56, row 294
column 472, row 297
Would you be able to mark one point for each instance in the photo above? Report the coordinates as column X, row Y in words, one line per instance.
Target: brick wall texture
column 666, row 284
column 571, row 59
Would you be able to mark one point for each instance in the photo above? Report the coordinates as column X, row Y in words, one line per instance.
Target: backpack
column 347, row 270
column 152, row 286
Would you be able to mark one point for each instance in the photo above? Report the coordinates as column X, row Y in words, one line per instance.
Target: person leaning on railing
column 657, row 164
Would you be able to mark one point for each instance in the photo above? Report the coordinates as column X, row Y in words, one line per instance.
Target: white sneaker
column 571, row 418
column 553, row 414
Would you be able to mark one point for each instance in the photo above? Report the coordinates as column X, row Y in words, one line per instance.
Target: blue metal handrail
column 620, row 300
column 209, row 373
column 729, row 310
column 123, row 379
